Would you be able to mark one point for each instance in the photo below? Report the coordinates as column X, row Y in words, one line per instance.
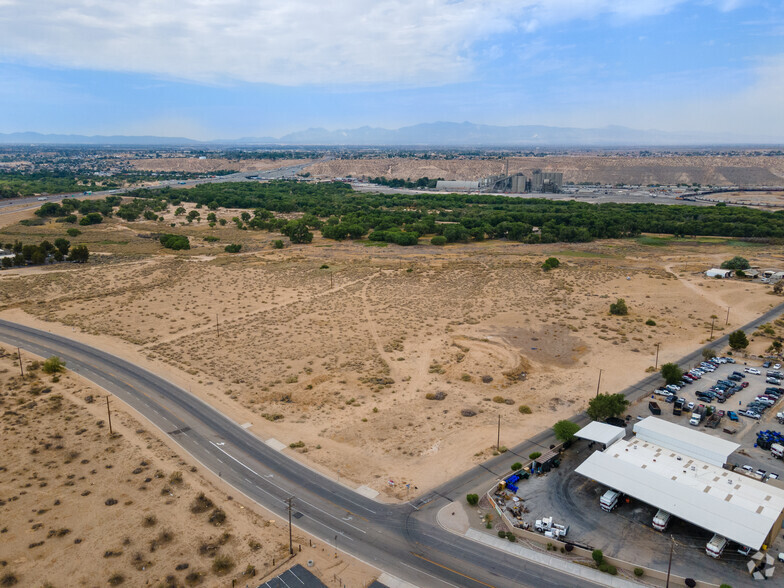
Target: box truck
column 609, row 500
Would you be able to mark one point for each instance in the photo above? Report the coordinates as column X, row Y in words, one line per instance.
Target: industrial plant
column 517, row 183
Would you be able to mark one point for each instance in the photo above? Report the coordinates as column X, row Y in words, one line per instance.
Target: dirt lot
column 80, row 504
column 667, row 170
column 388, row 363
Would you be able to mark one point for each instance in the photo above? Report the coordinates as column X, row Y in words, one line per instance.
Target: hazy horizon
column 235, row 68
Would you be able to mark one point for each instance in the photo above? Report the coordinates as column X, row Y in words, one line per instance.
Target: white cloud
column 287, row 42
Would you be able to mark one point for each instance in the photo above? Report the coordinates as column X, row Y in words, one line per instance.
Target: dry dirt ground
column 668, row 170
column 770, row 199
column 195, row 165
column 389, row 364
column 79, row 507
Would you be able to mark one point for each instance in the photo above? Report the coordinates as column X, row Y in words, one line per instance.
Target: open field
column 367, row 359
column 79, row 507
column 667, row 170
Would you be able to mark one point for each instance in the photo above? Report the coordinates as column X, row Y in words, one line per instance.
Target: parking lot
column 744, row 429
column 627, row 532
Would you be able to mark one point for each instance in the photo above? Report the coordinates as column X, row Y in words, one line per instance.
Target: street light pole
column 21, row 368
column 291, row 543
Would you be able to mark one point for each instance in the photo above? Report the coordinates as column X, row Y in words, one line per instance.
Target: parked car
column 690, row 406
column 777, row 366
column 744, row 384
column 773, row 381
column 733, row 415
column 766, row 364
column 730, row 359
column 754, row 371
column 737, row 373
column 750, row 414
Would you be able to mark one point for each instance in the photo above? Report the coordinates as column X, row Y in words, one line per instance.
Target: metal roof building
column 601, row 433
column 737, row 507
column 707, row 448
column 718, row 273
column 460, row 185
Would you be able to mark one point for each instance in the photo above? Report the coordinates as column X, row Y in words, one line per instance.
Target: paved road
column 398, row 539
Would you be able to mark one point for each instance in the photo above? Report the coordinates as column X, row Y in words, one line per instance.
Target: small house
column 718, row 273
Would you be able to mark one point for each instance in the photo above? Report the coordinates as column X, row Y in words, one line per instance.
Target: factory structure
column 518, row 183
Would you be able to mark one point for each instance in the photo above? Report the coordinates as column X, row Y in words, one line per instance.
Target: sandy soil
column 78, row 506
column 194, row 165
column 351, row 358
column 668, row 170
column 774, row 199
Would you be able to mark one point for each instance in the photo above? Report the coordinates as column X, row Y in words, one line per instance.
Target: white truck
column 550, row 529
column 661, row 519
column 715, row 546
column 609, row 500
column 777, row 450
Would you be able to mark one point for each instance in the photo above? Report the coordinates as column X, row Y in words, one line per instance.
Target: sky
column 225, row 69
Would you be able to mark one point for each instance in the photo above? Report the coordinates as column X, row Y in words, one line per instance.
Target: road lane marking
column 448, row 569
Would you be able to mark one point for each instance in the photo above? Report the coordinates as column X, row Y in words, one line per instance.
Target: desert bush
column 535, row 454
column 550, row 263
column 650, row 323
column 435, row 395
column 201, row 504
column 53, row 365
column 499, row 399
column 619, row 307
column 297, row 444
column 468, row 412
column 233, row 248
column 194, row 578
column 217, row 517
column 175, row 478
column 254, row 545
column 222, row 564
column 277, row 244
column 116, row 579
column 472, row 499
column 165, row 536
column 525, row 409
column 149, row 521
column 9, row 579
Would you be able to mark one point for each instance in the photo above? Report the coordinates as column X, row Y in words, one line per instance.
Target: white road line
column 284, row 490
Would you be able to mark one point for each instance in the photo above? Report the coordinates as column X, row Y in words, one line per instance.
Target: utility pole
column 21, row 368
column 291, row 544
column 109, row 412
column 713, row 321
column 498, row 442
column 728, row 317
column 217, row 325
column 599, row 383
column 655, row 367
column 331, row 281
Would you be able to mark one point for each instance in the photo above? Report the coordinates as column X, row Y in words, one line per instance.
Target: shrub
column 116, row 579
column 222, row 564
column 175, row 242
column 511, row 536
column 736, row 263
column 472, row 499
column 502, row 534
column 619, row 307
column 725, row 586
column 650, row 323
column 499, row 399
column 597, row 556
column 149, row 521
column 217, row 517
column 211, row 239
column 639, row 572
column 604, row 567
column 233, row 248
column 9, row 579
column 438, row 240
column 517, row 466
column 73, row 232
column 175, row 478
column 525, row 409
column 550, row 263
column 612, row 570
column 201, row 504
column 535, row 454
column 53, row 365
column 277, row 244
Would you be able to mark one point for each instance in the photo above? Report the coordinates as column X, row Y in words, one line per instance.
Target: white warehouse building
column 680, row 471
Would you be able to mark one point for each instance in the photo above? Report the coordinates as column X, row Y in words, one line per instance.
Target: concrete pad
column 246, row 425
column 568, row 567
column 453, row 517
column 393, row 582
column 275, row 444
column 367, row 492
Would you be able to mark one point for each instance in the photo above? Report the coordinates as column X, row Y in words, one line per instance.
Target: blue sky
column 235, row 68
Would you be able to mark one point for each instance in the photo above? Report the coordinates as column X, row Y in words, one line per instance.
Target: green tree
column 671, row 373
column 565, row 430
column 603, row 406
column 63, row 245
column 708, row 353
column 53, row 365
column 176, row 242
column 79, row 254
column 179, row 211
column 73, row 232
column 550, row 263
column 736, row 263
column 438, row 240
column 472, row 499
column 233, row 248
column 619, row 307
column 738, row 340
column 277, row 244
column 297, row 232
column 597, row 556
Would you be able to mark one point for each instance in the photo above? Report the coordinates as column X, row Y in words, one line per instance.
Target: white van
column 715, row 546
column 661, row 519
column 777, row 450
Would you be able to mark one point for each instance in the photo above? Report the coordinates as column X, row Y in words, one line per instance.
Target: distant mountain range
column 426, row 134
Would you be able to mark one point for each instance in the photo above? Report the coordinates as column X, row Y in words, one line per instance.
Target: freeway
column 401, row 539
